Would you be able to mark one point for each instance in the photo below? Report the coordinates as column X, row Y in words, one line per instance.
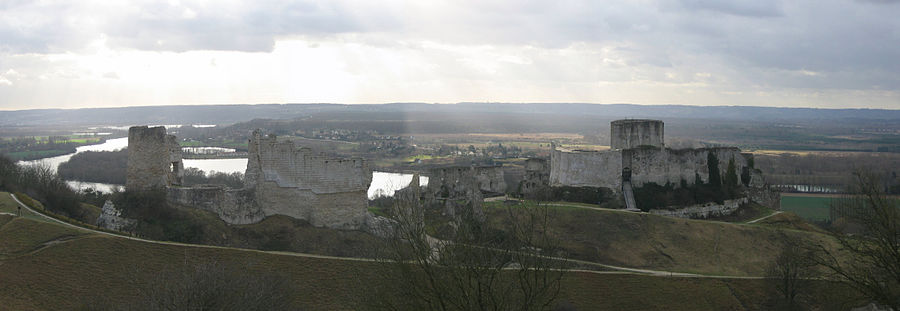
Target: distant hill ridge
column 226, row 114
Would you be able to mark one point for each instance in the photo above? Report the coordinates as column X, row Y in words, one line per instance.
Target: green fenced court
column 810, row 207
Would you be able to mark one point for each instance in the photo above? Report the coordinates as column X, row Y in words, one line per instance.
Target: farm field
column 37, row 154
column 813, row 207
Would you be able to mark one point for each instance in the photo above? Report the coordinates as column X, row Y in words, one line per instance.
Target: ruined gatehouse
column 281, row 179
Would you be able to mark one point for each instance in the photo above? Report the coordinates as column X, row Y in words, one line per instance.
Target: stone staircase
column 628, row 192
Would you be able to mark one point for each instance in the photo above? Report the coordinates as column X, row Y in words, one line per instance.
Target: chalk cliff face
column 281, row 179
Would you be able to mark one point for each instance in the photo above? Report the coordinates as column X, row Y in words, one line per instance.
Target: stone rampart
column 586, row 169
column 645, row 164
column 288, row 166
column 663, row 166
column 705, row 210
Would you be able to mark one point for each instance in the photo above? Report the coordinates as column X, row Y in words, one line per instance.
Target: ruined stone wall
column 586, row 169
column 765, row 197
column 490, row 178
column 111, row 218
column 627, row 134
column 457, row 188
column 702, row 211
column 281, row 179
column 485, row 178
column 154, row 159
column 647, row 164
column 281, row 162
column 537, row 176
column 326, row 191
column 663, row 166
column 234, row 206
column 342, row 210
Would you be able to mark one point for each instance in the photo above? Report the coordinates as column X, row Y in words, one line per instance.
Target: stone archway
column 626, row 174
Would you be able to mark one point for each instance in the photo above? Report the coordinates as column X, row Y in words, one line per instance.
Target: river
column 383, row 183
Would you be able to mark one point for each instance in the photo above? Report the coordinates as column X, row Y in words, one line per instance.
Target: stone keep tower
column 154, row 159
column 629, row 134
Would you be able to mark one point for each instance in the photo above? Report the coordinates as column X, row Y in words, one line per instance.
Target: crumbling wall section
column 234, row 206
column 111, row 218
column 296, row 182
column 154, row 159
column 490, row 178
column 456, row 188
column 703, row 211
column 485, row 178
column 537, row 176
column 286, row 165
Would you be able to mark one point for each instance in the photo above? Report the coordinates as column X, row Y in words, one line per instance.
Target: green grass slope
column 74, row 273
column 640, row 240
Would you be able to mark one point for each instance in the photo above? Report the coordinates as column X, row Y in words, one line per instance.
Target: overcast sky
column 798, row 53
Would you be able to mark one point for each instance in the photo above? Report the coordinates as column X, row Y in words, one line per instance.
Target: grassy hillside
column 648, row 241
column 92, row 269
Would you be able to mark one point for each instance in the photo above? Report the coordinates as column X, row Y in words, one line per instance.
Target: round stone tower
column 632, row 133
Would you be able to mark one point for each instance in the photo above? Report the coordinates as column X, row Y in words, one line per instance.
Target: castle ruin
column 154, row 159
column 280, row 179
column 638, row 156
column 629, row 134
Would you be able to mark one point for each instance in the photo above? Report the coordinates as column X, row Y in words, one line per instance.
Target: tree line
column 111, row 167
column 42, row 184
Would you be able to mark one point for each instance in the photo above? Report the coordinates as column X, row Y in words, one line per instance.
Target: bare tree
column 870, row 261
column 476, row 267
column 791, row 273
